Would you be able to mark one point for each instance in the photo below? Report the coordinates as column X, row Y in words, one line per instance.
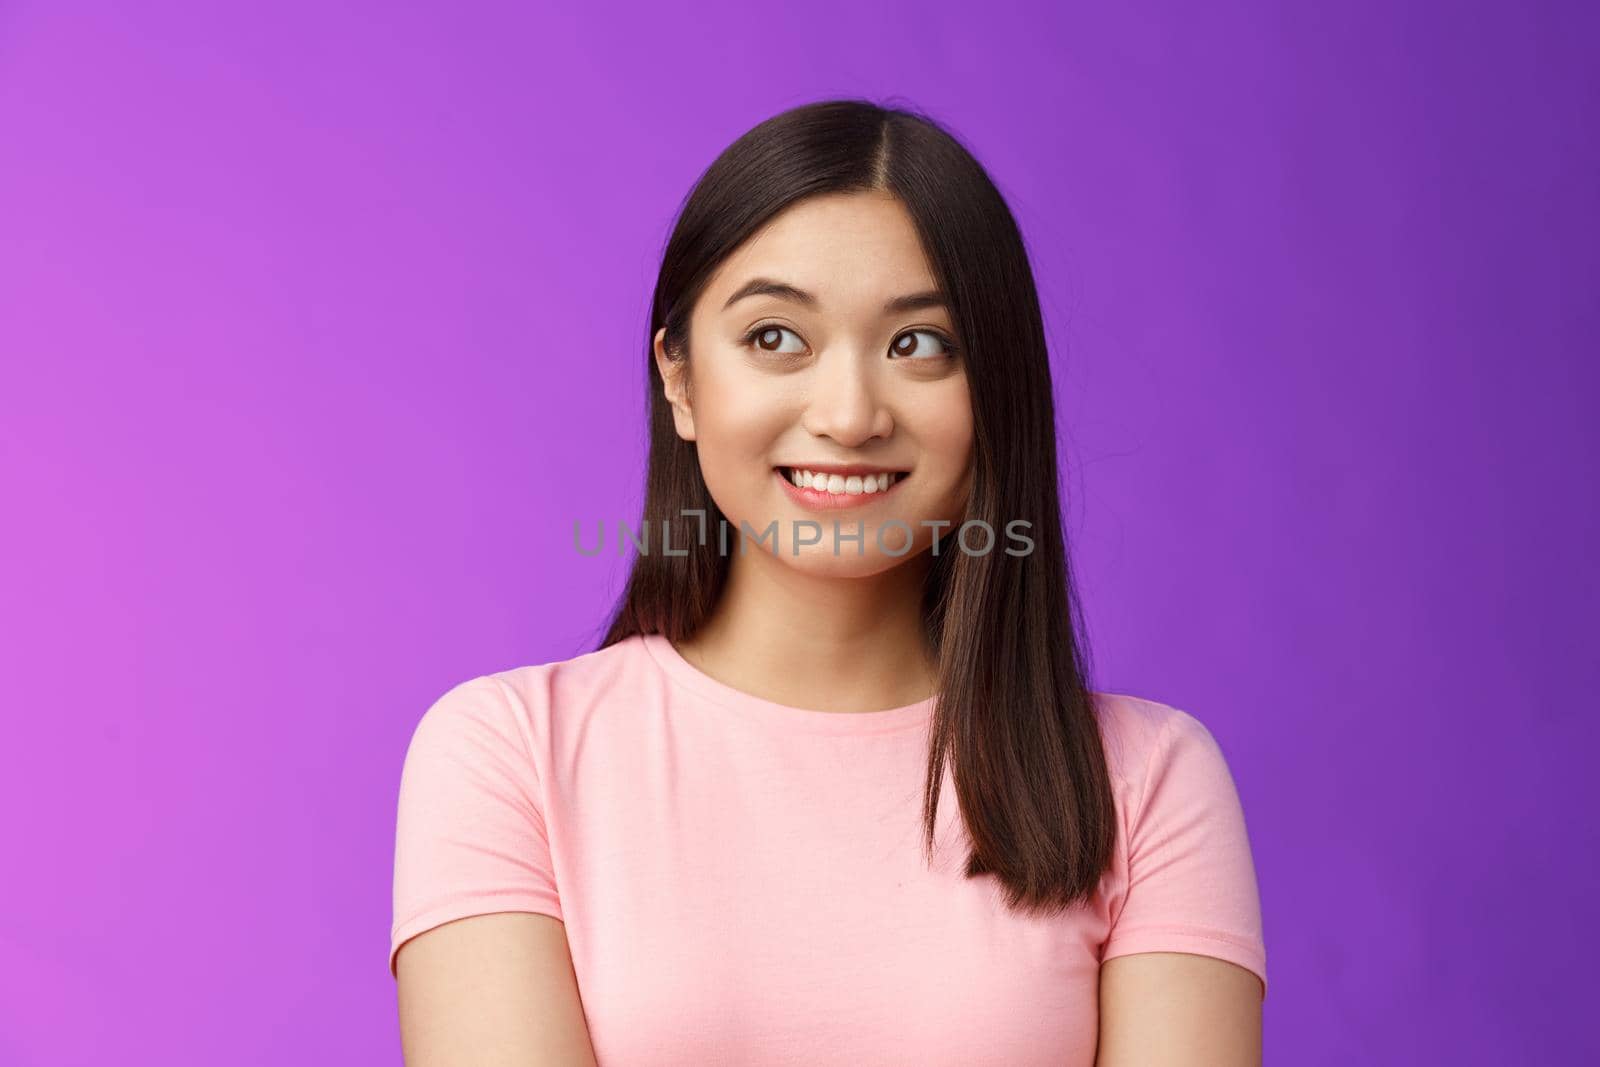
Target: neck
column 820, row 642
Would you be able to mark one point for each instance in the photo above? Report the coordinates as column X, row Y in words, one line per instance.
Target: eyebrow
column 784, row 291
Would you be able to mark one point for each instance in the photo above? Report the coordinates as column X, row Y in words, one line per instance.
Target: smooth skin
column 491, row 991
column 1178, row 1009
column 836, row 378
column 831, row 377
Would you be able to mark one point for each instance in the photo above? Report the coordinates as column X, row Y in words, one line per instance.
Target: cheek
column 738, row 420
column 945, row 430
column 944, row 437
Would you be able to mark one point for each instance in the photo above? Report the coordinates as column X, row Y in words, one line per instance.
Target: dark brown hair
column 1013, row 712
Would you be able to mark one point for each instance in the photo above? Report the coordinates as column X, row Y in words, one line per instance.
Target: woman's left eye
column 899, row 350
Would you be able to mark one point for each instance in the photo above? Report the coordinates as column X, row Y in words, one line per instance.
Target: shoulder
column 1143, row 738
column 526, row 700
column 568, row 687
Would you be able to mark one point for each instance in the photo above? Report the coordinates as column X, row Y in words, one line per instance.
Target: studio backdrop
column 321, row 325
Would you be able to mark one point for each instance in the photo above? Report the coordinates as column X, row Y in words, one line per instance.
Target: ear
column 675, row 383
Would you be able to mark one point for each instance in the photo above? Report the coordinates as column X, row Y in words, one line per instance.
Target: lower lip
column 821, row 500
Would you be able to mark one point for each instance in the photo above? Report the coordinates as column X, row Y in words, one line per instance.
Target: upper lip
column 845, row 469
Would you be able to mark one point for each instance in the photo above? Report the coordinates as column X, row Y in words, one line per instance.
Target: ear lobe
column 675, row 385
column 683, row 419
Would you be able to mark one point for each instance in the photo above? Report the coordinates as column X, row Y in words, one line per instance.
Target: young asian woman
column 834, row 787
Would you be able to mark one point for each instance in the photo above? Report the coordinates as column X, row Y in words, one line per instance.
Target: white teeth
column 851, row 485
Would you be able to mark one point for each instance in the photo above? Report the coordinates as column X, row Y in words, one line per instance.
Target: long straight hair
column 1013, row 712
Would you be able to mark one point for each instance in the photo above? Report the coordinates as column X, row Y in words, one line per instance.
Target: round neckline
column 759, row 709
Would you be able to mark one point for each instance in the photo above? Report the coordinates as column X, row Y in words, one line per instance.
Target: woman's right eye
column 768, row 338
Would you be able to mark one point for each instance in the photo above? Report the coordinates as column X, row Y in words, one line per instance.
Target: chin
column 819, row 560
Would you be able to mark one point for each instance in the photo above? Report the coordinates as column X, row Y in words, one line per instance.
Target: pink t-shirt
column 743, row 882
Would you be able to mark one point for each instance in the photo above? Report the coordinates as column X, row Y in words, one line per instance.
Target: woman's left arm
column 1183, row 970
column 1176, row 1009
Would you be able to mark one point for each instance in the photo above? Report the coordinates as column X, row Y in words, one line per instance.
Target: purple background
column 320, row 327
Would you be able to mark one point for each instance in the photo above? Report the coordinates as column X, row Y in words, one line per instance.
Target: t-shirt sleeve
column 1191, row 882
column 469, row 831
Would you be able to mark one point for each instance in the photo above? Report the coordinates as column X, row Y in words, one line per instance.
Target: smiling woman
column 844, row 796
column 834, row 380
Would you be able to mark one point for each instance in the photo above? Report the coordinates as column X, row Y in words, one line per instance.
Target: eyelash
column 951, row 350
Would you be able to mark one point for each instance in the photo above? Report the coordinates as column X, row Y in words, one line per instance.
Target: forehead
column 853, row 250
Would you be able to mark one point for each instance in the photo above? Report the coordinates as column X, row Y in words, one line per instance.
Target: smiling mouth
column 843, row 484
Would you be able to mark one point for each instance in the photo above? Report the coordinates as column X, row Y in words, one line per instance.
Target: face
column 829, row 368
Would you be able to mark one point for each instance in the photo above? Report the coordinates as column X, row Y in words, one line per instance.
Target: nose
column 844, row 401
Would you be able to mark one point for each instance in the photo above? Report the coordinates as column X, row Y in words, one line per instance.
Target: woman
column 831, row 793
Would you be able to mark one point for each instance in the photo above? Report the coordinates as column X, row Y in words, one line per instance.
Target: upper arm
column 1176, row 1009
column 1183, row 969
column 478, row 945
column 490, row 990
